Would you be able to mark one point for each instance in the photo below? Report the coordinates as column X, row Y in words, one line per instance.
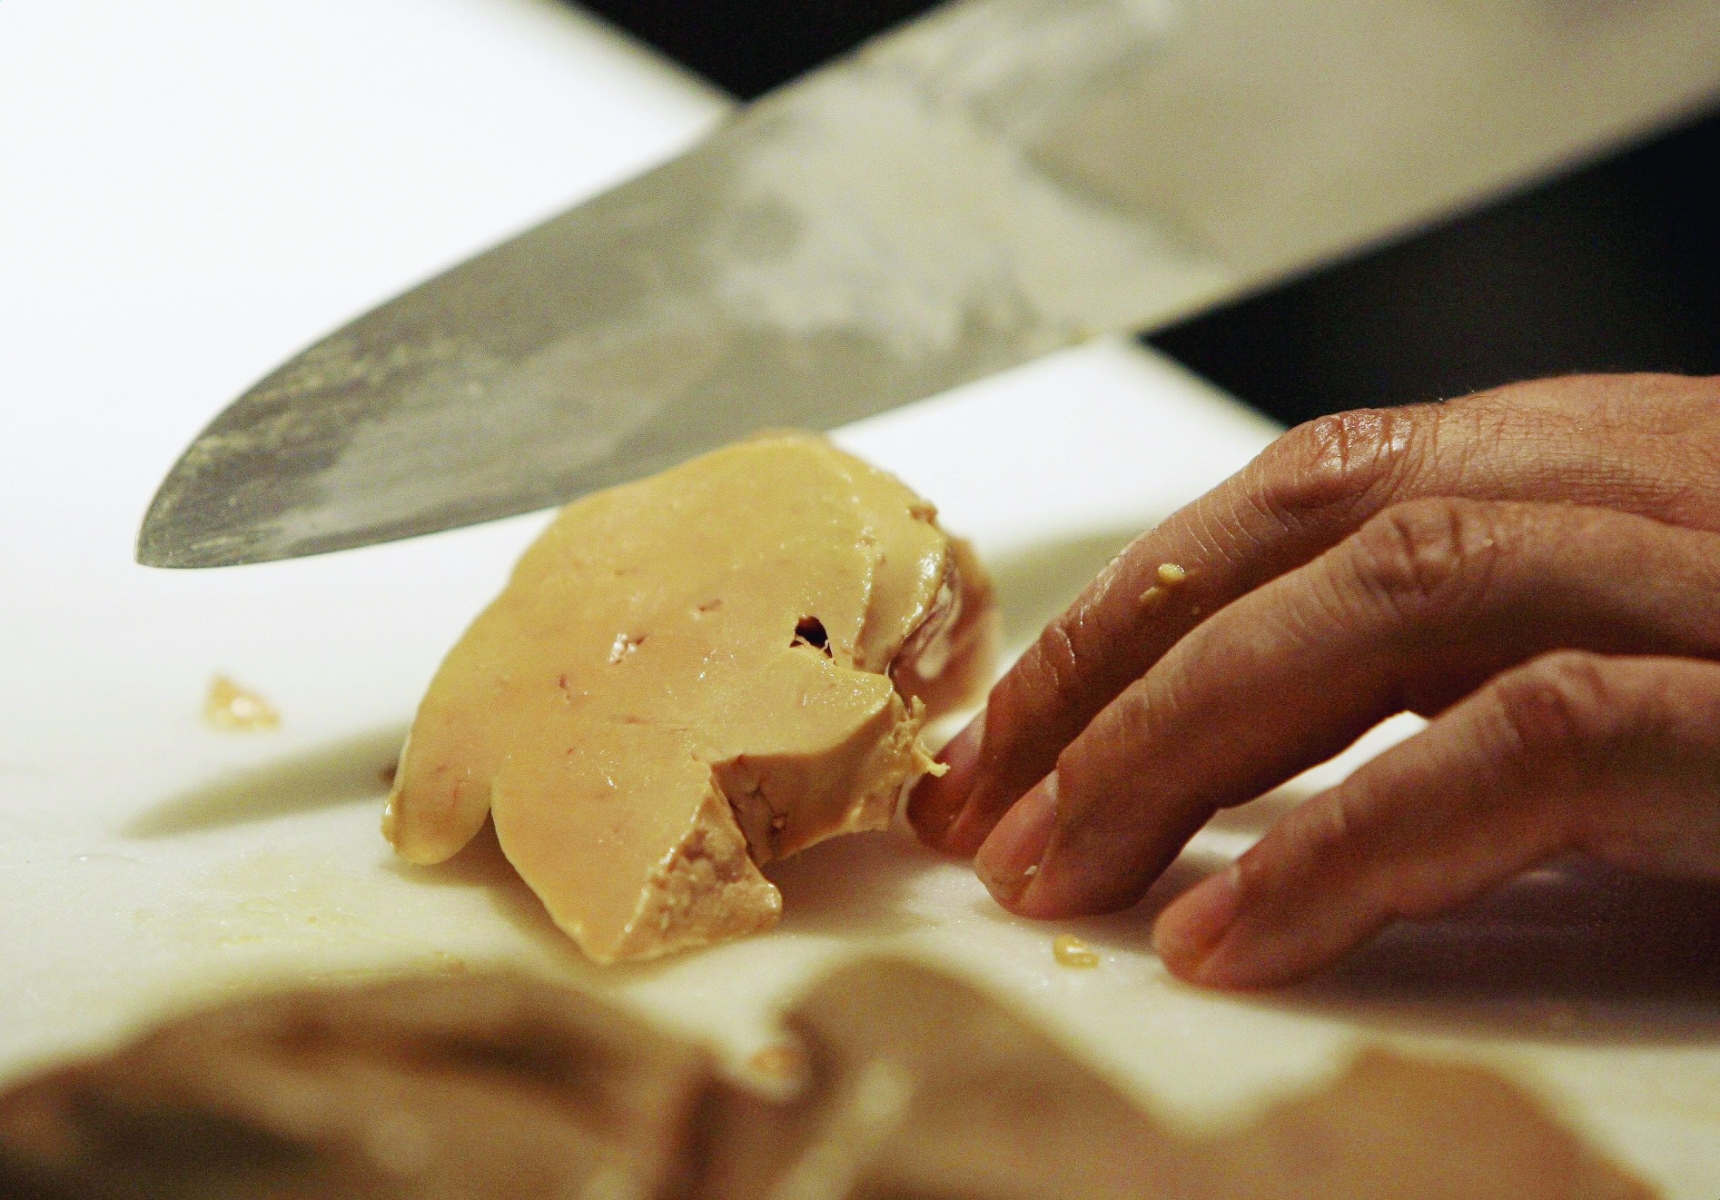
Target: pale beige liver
column 646, row 713
column 898, row 1081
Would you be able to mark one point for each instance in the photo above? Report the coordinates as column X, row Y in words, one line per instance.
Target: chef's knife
column 993, row 181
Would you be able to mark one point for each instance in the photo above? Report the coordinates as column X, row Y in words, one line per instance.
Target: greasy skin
column 685, row 678
column 1535, row 568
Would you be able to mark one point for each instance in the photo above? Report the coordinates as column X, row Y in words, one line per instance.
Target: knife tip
column 165, row 539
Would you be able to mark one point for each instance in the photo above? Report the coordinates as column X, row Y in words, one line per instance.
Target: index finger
column 1633, row 443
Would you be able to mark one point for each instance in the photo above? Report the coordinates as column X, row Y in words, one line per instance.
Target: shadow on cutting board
column 1571, row 952
column 335, row 773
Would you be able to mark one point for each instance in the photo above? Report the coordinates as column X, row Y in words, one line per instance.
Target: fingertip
column 1209, row 936
column 1009, row 859
column 1250, row 957
column 1215, row 937
column 1192, row 927
column 937, row 800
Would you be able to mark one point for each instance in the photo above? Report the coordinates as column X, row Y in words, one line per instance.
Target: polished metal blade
column 989, row 183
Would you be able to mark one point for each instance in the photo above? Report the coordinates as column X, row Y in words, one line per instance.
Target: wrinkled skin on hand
column 1536, row 569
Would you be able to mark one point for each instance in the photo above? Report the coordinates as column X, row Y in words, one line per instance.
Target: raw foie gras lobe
column 914, row 1084
column 686, row 677
column 425, row 1088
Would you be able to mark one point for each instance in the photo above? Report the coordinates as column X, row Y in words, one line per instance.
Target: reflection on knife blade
column 994, row 181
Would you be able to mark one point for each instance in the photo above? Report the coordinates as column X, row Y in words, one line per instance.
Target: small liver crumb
column 1153, row 597
column 1170, row 574
column 1071, row 951
column 233, row 709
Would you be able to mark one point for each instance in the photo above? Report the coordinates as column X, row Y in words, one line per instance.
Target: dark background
column 1614, row 267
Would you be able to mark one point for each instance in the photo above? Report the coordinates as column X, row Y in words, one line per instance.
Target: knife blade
column 993, row 181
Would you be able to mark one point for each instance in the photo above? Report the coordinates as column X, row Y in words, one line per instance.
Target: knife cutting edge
column 993, row 181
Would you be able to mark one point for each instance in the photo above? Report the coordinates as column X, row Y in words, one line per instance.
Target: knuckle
column 1043, row 683
column 1423, row 558
column 1615, row 749
column 1322, row 840
column 1564, row 707
column 1346, row 461
column 1328, row 827
column 1109, row 752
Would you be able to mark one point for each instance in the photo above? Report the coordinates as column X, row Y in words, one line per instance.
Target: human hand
column 1536, row 568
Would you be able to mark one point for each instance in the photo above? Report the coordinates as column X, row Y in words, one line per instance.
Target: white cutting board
column 189, row 191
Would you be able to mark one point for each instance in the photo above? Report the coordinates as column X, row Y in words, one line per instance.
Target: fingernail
column 938, row 799
column 1187, row 932
column 1010, row 857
